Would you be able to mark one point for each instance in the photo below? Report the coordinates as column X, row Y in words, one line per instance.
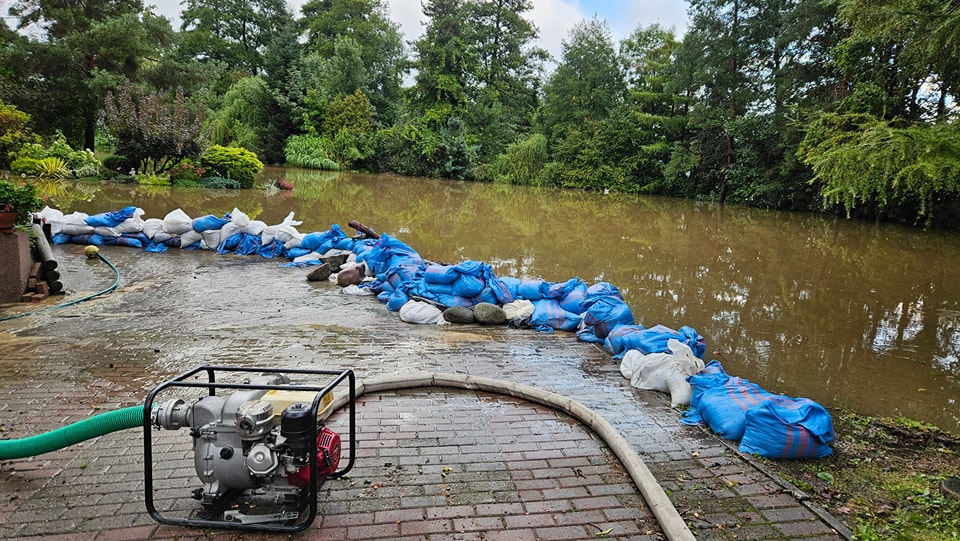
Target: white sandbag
column 312, row 256
column 152, row 226
column 176, row 222
column 521, row 308
column 358, row 291
column 664, row 372
column 282, row 232
column 239, row 217
column 294, row 242
column 229, row 229
column 212, row 238
column 133, row 224
column 106, row 231
column 189, row 238
column 255, row 227
column 420, row 313
column 75, row 224
column 54, row 217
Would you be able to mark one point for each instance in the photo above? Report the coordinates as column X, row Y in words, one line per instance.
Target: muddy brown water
column 847, row 313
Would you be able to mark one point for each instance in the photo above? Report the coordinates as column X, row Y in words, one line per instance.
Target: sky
column 554, row 18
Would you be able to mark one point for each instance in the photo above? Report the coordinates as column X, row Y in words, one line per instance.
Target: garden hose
column 89, row 428
column 90, row 253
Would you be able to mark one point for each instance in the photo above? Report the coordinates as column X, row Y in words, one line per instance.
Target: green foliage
column 73, row 159
column 522, row 163
column 60, row 75
column 151, row 130
column 186, row 173
column 309, row 151
column 52, row 167
column 58, row 160
column 234, row 163
column 14, row 133
column 25, row 166
column 153, row 179
column 234, row 124
column 21, row 197
column 116, row 163
column 233, row 33
column 219, row 183
column 861, row 159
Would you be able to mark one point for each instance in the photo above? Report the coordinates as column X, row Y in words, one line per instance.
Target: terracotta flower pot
column 7, row 219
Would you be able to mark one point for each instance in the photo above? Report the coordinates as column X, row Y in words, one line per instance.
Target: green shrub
column 14, row 133
column 219, row 183
column 234, row 163
column 85, row 171
column 309, row 151
column 522, row 163
column 117, row 163
column 52, row 167
column 25, row 166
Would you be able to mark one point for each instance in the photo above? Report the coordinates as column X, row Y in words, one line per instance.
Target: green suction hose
column 89, row 428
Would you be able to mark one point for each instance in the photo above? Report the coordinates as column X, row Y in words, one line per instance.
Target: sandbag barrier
column 655, row 358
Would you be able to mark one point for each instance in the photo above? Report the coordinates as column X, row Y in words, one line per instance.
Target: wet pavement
column 431, row 463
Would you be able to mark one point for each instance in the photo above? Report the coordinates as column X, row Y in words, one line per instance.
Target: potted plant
column 17, row 201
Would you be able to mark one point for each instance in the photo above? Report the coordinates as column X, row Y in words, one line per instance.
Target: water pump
column 259, row 452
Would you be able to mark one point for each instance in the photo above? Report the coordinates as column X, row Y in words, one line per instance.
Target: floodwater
column 847, row 313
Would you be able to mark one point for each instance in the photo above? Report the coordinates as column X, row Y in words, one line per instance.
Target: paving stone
column 510, row 460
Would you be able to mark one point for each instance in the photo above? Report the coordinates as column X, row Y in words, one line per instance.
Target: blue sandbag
column 548, row 316
column 437, row 289
column 511, row 284
column 249, row 244
column 603, row 289
column 532, row 290
column 208, row 223
column 468, row 286
column 111, row 219
column 156, row 247
column 621, row 339
column 724, row 408
column 321, row 241
column 293, row 253
column 172, row 242
column 389, row 252
column 139, row 235
column 602, row 315
column 571, row 294
column 396, row 300
column 440, row 274
column 131, row 242
column 654, row 340
column 384, row 296
column 90, row 238
column 345, row 243
column 60, row 238
column 788, row 428
column 230, row 243
column 271, row 249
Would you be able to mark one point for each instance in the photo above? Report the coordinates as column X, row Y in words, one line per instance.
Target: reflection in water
column 846, row 313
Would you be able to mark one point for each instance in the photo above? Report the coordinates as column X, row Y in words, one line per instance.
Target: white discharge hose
column 672, row 524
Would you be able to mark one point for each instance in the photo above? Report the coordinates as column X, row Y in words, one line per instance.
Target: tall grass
column 308, row 151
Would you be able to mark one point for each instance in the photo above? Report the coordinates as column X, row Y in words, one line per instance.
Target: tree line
column 846, row 106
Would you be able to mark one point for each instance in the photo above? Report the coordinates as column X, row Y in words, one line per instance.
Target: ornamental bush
column 232, row 162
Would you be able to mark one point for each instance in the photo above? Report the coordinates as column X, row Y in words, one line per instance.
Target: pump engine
column 254, row 447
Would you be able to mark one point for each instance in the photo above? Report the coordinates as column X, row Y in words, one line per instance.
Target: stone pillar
column 15, row 264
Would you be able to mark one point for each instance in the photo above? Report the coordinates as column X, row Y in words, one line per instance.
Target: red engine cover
column 328, row 459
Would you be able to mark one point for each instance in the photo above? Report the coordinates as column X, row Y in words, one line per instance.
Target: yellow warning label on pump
column 280, row 399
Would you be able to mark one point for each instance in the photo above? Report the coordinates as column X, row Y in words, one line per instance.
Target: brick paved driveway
column 432, row 464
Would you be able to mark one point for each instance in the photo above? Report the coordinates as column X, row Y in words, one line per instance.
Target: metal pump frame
column 212, row 385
